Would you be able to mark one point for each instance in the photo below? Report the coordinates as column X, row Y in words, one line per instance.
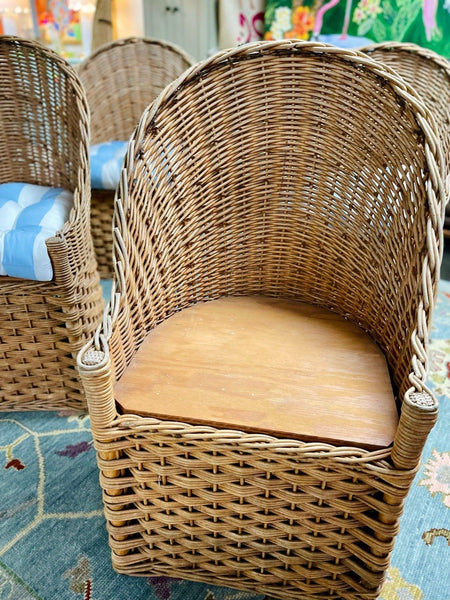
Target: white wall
column 128, row 18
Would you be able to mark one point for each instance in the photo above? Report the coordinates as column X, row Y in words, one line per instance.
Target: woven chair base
column 273, row 516
column 42, row 329
column 102, row 204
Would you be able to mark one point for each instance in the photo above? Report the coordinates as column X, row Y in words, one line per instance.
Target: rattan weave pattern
column 429, row 74
column 121, row 79
column 44, row 133
column 286, row 169
column 266, row 516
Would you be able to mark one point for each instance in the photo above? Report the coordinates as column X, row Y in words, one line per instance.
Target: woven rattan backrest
column 428, row 73
column 43, row 116
column 121, row 78
column 283, row 169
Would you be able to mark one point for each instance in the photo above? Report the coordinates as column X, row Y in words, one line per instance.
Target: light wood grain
column 266, row 365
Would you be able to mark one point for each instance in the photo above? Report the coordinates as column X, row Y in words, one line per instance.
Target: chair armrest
column 418, row 416
column 97, row 375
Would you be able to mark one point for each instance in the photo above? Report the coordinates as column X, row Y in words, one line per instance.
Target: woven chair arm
column 418, row 416
column 59, row 256
column 94, row 362
column 76, row 231
column 96, row 373
column 71, row 246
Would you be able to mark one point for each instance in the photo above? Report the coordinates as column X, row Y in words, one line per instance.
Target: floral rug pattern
column 53, row 542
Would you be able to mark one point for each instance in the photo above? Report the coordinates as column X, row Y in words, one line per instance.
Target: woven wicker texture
column 44, row 137
column 429, row 74
column 121, row 79
column 286, row 169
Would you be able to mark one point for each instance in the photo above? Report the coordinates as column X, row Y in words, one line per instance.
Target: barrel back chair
column 429, row 74
column 121, row 78
column 293, row 189
column 44, row 141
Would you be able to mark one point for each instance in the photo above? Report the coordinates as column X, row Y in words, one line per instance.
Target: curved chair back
column 122, row 77
column 290, row 170
column 429, row 74
column 44, row 116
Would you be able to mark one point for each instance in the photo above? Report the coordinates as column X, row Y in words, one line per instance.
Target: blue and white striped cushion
column 30, row 214
column 106, row 162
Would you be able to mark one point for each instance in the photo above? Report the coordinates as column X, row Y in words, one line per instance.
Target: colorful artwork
column 66, row 25
column 240, row 21
column 351, row 23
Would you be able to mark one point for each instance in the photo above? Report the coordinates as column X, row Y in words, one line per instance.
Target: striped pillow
column 106, row 162
column 30, row 214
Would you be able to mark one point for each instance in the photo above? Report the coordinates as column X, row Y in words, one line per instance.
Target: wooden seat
column 263, row 364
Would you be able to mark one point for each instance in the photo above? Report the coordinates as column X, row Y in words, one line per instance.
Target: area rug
column 53, row 543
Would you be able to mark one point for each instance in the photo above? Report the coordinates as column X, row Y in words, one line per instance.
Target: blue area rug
column 53, row 543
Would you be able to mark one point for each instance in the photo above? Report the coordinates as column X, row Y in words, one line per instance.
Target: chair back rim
column 109, row 46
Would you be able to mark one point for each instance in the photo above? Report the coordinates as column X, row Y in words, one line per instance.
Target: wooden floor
column 266, row 365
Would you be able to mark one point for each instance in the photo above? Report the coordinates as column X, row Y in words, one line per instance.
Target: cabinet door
column 158, row 20
column 192, row 24
column 199, row 26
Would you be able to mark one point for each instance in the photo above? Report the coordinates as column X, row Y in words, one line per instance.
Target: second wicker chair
column 121, row 78
column 429, row 74
column 44, row 141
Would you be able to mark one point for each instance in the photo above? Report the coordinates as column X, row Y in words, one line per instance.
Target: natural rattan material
column 293, row 170
column 429, row 74
column 44, row 136
column 121, row 79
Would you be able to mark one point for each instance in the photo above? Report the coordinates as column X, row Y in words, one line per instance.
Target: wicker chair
column 44, row 137
column 429, row 74
column 121, row 78
column 301, row 173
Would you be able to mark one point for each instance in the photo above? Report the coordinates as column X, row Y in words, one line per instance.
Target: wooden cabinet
column 192, row 24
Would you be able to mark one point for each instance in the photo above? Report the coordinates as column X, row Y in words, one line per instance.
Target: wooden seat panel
column 267, row 365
